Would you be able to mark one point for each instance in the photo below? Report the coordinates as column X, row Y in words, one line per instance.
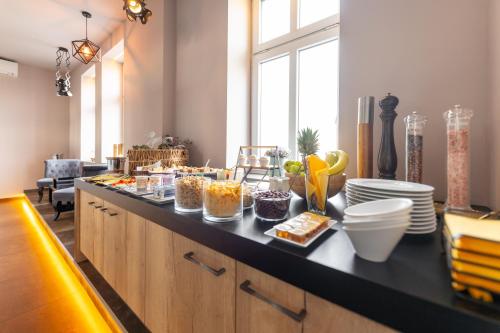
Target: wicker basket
column 168, row 157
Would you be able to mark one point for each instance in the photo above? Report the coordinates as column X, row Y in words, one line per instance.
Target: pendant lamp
column 62, row 83
column 85, row 50
column 136, row 9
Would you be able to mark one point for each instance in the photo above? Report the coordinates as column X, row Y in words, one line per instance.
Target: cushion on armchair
column 44, row 182
column 63, row 196
column 63, row 168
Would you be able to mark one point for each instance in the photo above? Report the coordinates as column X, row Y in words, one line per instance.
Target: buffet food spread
column 224, row 195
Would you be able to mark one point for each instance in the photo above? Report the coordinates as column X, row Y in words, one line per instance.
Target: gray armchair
column 59, row 174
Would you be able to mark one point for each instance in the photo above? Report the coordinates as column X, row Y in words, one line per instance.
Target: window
column 87, row 130
column 112, row 100
column 295, row 71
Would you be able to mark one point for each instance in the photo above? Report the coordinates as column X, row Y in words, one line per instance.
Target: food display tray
column 272, row 232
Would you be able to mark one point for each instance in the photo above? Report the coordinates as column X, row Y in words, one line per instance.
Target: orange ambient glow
column 90, row 319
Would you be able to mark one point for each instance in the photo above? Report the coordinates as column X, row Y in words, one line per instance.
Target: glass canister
column 414, row 146
column 222, row 201
column 189, row 194
column 458, row 159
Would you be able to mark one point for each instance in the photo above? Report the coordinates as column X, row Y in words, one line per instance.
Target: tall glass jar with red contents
column 458, row 159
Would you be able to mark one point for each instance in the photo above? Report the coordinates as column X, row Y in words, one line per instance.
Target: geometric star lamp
column 84, row 49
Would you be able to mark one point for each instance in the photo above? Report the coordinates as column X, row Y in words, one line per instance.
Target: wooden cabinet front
column 136, row 263
column 204, row 297
column 114, row 248
column 86, row 225
column 325, row 317
column 266, row 304
column 159, row 277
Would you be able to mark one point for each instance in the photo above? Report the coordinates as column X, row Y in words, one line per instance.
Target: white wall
column 34, row 124
column 494, row 121
column 432, row 55
column 143, row 77
column 213, row 73
column 201, row 78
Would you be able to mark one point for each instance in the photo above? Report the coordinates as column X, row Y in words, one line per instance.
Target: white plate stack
column 375, row 227
column 423, row 214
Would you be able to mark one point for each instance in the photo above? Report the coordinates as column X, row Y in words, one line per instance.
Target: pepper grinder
column 365, row 137
column 387, row 158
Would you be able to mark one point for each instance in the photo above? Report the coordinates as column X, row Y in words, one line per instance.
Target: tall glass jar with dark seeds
column 414, row 146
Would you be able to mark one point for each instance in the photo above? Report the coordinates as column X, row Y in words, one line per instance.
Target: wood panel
column 159, row 277
column 202, row 301
column 86, row 225
column 136, row 265
column 114, row 248
column 325, row 317
column 98, row 219
column 254, row 315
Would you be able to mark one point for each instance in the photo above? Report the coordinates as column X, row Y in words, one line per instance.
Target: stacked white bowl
column 423, row 215
column 376, row 227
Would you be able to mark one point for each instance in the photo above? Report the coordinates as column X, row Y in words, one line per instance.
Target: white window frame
column 290, row 44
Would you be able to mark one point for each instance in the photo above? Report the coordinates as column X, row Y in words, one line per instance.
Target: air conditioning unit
column 8, row 68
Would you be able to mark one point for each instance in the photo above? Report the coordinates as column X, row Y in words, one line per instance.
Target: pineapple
column 307, row 142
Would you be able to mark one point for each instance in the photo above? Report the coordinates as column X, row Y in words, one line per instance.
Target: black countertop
column 410, row 292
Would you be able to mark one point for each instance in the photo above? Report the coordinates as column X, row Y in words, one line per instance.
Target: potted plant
column 277, row 156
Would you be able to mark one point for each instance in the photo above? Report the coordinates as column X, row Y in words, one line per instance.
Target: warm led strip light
column 91, row 319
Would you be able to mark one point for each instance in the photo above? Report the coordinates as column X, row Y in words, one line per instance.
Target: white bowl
column 374, row 224
column 386, row 207
column 376, row 244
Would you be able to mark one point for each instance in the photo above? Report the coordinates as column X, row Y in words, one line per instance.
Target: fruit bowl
column 298, row 184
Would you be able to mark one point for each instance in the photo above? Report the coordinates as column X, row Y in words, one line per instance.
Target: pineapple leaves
column 307, row 141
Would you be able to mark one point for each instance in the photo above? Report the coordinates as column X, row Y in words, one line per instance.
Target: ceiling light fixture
column 85, row 50
column 62, row 83
column 136, row 9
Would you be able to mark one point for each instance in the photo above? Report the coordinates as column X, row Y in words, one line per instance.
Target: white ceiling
column 32, row 30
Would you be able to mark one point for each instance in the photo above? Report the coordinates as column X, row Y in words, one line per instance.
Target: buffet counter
column 322, row 288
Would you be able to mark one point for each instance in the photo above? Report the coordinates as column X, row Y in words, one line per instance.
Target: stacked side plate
column 423, row 214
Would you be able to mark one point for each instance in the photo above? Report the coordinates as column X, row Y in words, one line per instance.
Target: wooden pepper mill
column 387, row 158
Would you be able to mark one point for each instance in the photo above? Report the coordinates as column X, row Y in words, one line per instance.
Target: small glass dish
column 189, row 194
column 272, row 206
column 222, row 201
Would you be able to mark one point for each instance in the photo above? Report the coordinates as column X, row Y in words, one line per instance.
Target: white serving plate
column 418, row 198
column 150, row 197
column 416, row 205
column 272, row 232
column 420, row 232
column 133, row 190
column 385, row 207
column 423, row 228
column 390, row 185
column 423, row 219
column 363, row 191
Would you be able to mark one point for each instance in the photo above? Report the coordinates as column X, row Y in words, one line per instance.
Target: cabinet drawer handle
column 91, row 203
column 190, row 257
column 112, row 214
column 104, row 209
column 245, row 286
column 96, row 207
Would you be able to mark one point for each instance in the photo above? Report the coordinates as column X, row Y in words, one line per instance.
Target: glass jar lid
column 415, row 118
column 458, row 112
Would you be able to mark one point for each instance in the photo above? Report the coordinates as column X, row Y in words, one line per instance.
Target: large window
column 295, row 71
column 87, row 130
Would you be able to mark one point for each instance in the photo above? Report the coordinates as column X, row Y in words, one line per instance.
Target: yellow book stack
column 473, row 249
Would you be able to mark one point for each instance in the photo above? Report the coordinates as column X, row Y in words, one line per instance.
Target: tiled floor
column 64, row 230
column 38, row 291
